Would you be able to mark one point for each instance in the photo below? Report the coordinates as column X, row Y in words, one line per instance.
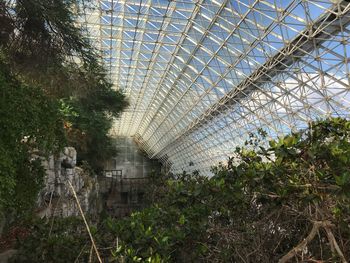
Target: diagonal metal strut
column 318, row 32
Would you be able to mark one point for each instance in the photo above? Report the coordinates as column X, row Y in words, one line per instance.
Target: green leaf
column 182, row 220
column 272, row 143
column 289, row 141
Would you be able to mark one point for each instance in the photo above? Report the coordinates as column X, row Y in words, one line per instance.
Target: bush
column 257, row 208
column 284, row 203
column 59, row 241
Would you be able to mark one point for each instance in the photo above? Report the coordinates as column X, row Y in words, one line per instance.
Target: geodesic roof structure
column 201, row 74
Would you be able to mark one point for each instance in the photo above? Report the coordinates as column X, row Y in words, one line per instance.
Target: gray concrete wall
column 131, row 161
column 125, row 178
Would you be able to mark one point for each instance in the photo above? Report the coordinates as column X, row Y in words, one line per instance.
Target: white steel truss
column 201, row 74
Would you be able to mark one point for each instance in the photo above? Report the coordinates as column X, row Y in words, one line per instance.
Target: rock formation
column 56, row 198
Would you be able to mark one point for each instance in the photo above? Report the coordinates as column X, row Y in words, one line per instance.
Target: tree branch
column 334, row 244
column 301, row 246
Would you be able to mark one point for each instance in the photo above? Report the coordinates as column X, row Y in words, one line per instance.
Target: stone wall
column 56, row 198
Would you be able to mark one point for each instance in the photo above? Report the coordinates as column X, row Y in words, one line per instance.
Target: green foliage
column 42, row 42
column 50, row 26
column 256, row 208
column 88, row 122
column 59, row 241
column 42, row 45
column 105, row 99
column 175, row 229
column 31, row 125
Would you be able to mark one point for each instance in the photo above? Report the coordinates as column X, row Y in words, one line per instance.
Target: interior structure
column 201, row 75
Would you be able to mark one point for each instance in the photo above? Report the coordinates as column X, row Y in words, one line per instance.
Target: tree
column 31, row 126
column 46, row 63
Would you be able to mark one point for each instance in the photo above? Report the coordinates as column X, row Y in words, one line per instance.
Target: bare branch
column 301, row 246
column 334, row 244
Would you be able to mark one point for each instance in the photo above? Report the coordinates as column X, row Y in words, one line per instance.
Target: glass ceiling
column 200, row 75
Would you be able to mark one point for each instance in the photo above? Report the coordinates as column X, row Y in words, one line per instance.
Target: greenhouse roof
column 201, row 75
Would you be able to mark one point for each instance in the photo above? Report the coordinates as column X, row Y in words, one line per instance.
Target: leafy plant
column 31, row 127
column 283, row 203
column 61, row 240
column 288, row 201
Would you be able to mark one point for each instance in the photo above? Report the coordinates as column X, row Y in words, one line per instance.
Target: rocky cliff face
column 56, row 198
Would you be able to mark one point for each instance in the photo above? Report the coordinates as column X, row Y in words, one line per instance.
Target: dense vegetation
column 54, row 93
column 286, row 202
column 30, row 124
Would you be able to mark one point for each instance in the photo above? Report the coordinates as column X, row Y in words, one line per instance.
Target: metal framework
column 201, row 74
